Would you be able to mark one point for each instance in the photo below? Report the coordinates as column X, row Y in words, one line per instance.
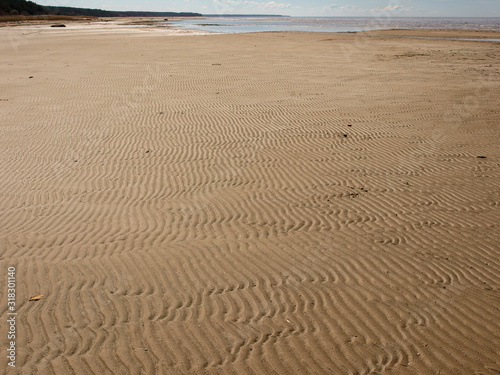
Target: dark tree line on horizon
column 15, row 7
column 29, row 8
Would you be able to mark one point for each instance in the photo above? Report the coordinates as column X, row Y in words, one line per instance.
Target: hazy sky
column 374, row 8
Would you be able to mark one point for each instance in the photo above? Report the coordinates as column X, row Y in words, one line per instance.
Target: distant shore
column 167, row 25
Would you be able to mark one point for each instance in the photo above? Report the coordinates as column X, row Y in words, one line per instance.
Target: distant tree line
column 23, row 7
column 67, row 11
column 15, row 7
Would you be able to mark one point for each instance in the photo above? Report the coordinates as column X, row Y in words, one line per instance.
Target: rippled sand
column 278, row 203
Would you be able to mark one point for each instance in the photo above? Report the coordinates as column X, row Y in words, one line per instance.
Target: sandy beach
column 269, row 203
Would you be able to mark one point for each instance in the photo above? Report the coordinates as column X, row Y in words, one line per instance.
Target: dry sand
column 279, row 203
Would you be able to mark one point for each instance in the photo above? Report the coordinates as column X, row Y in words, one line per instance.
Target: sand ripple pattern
column 252, row 204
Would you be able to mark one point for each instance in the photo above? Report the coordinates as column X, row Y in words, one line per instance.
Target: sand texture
column 278, row 203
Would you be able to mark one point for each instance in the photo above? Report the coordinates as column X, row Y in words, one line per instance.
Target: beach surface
column 270, row 203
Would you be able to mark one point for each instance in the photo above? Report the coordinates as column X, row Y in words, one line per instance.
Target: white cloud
column 329, row 8
column 268, row 5
column 389, row 10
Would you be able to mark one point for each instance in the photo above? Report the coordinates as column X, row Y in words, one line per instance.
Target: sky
column 353, row 8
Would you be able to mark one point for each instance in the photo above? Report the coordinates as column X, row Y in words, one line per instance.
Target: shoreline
column 142, row 24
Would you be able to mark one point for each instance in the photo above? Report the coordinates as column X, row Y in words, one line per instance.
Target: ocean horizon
column 254, row 23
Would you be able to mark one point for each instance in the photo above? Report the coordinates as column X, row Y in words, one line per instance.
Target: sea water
column 242, row 24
